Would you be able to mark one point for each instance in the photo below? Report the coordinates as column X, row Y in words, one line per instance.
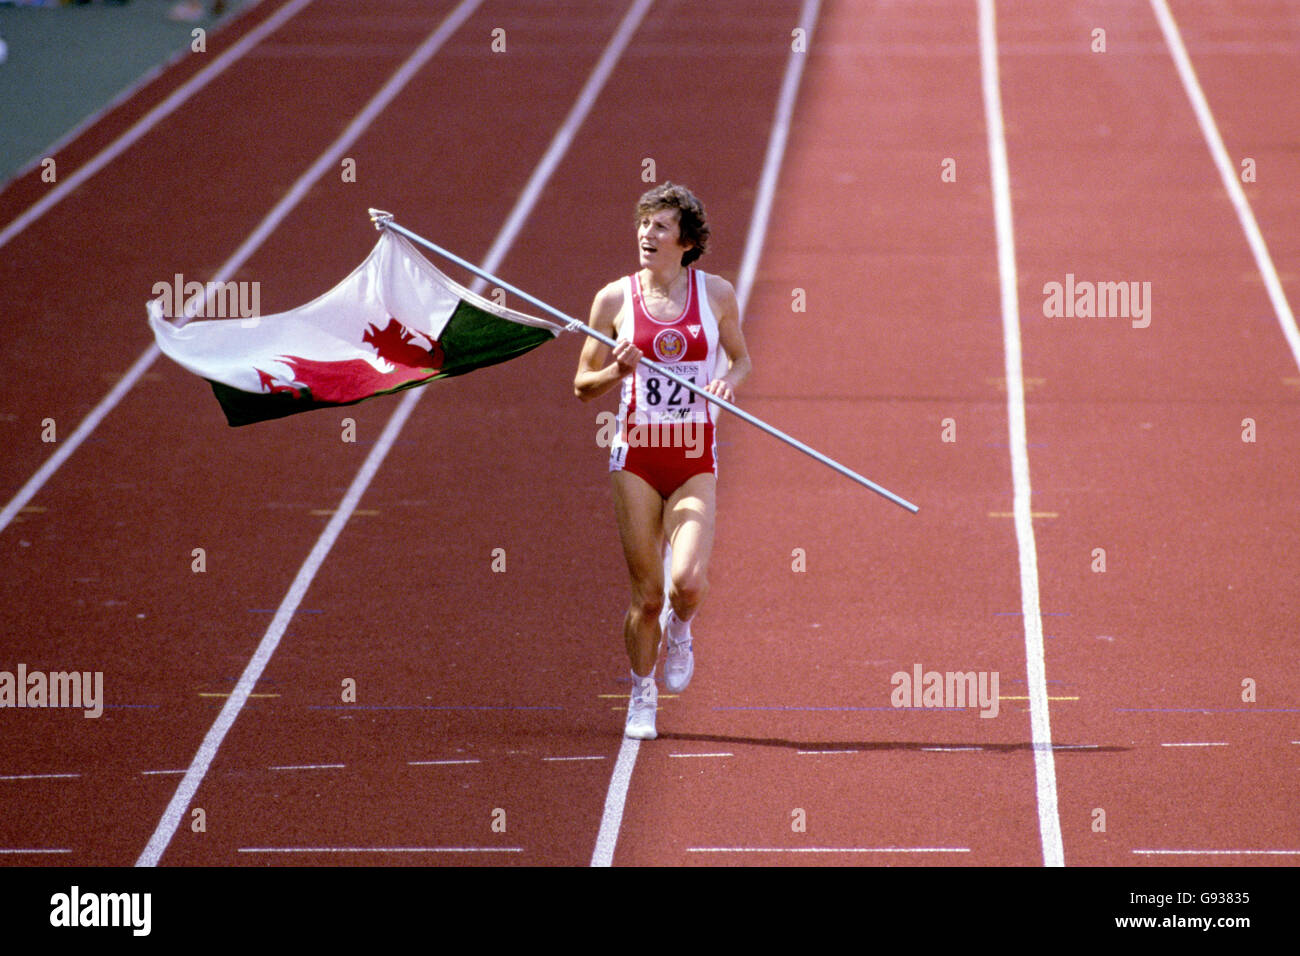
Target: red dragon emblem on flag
column 351, row 379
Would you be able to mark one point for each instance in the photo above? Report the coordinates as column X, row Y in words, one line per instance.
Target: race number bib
column 664, row 400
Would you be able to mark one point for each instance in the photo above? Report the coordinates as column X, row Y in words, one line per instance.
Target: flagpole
column 384, row 220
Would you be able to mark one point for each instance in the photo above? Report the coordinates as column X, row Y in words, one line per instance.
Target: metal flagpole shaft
column 384, row 220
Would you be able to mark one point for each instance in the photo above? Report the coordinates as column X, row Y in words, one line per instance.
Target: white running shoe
column 679, row 661
column 641, row 709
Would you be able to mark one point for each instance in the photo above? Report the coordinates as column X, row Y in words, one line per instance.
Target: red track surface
column 1134, row 443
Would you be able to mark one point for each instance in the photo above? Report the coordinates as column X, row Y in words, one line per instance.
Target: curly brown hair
column 693, row 227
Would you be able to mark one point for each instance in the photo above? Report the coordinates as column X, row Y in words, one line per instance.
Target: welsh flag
column 394, row 323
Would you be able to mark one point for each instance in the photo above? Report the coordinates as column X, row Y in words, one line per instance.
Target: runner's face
column 658, row 240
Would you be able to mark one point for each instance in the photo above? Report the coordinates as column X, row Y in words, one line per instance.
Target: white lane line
column 171, row 817
column 151, row 119
column 207, row 751
column 1196, row 744
column 817, row 753
column 150, row 773
column 327, row 161
column 951, row 750
column 532, row 191
column 438, row 763
column 615, row 797
column 607, row 837
column 701, row 755
column 1076, row 746
column 773, row 158
column 381, row 849
column 828, row 849
column 310, row 766
column 17, row 850
column 1049, row 818
column 1218, row 852
column 600, row 757
column 1174, row 40
column 564, row 136
column 40, row 776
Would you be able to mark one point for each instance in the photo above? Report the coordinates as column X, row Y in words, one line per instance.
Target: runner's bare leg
column 640, row 511
column 688, row 523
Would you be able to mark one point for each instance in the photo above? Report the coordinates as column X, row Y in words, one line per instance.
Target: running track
column 487, row 696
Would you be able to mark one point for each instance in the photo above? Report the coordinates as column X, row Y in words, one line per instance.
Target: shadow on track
column 883, row 744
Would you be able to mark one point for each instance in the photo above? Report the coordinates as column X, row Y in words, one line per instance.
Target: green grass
column 66, row 63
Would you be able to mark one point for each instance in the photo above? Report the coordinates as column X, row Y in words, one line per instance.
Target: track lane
column 118, row 230
column 794, row 668
column 458, row 679
column 158, row 490
column 1140, row 453
column 169, row 640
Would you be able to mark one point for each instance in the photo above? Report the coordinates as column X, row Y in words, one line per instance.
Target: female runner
column 662, row 460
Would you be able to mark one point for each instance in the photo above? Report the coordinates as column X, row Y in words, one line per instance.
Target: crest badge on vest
column 669, row 345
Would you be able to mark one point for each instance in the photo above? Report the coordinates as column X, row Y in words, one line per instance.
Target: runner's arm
column 722, row 296
column 596, row 373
